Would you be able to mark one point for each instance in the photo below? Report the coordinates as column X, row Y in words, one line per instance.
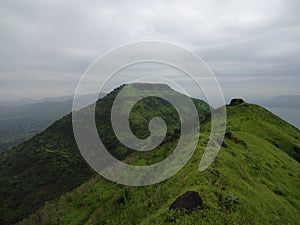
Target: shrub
column 231, row 201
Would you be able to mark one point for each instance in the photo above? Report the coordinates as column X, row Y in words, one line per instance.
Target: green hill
column 50, row 164
column 255, row 179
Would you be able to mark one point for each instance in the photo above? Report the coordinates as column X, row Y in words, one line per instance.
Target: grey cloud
column 246, row 43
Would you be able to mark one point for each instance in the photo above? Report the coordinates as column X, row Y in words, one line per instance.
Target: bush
column 231, row 201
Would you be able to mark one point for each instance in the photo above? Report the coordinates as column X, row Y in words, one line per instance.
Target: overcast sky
column 252, row 46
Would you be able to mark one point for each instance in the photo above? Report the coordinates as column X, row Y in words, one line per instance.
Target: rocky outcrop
column 236, row 101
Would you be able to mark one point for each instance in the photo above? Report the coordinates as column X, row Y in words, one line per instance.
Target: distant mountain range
column 26, row 101
column 282, row 101
column 22, row 119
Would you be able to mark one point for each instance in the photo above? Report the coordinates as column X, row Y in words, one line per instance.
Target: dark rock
column 228, row 134
column 236, row 101
column 189, row 200
column 297, row 149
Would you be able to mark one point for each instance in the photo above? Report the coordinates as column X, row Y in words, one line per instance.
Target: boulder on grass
column 189, row 201
column 297, row 149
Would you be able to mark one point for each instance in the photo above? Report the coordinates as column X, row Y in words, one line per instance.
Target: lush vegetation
column 50, row 164
column 255, row 178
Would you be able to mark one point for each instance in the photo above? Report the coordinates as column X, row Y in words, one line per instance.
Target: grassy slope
column 39, row 169
column 258, row 166
column 49, row 164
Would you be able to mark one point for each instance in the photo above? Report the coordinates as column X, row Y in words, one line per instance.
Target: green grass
column 50, row 164
column 259, row 167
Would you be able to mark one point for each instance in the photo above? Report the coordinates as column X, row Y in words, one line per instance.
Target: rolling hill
column 50, row 164
column 282, row 101
column 255, row 178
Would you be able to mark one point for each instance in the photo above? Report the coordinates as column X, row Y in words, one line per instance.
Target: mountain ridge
column 50, row 164
column 260, row 152
column 255, row 179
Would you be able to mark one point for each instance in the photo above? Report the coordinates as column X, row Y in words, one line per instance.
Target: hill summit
column 50, row 164
column 255, row 178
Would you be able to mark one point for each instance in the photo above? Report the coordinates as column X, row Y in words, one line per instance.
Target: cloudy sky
column 252, row 46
